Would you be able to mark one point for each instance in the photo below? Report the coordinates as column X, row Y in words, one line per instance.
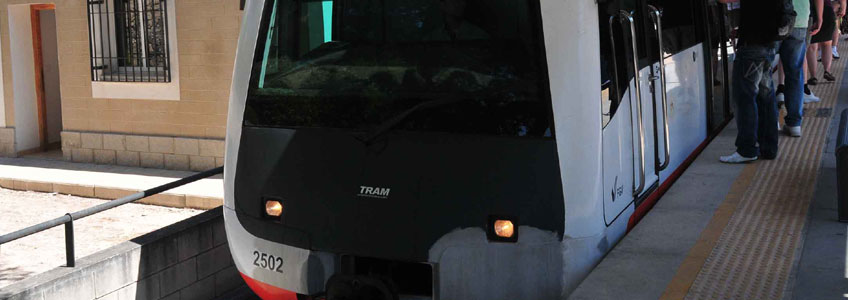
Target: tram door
column 718, row 46
column 628, row 78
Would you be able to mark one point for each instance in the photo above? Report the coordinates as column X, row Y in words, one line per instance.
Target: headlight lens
column 273, row 208
column 504, row 228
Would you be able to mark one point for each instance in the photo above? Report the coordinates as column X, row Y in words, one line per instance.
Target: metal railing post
column 69, row 242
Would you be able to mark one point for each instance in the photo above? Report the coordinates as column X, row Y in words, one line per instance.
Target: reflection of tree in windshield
column 410, row 68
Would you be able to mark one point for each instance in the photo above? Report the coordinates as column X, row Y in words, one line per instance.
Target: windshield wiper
column 387, row 126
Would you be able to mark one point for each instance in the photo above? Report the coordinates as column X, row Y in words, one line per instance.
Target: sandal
column 829, row 76
column 812, row 81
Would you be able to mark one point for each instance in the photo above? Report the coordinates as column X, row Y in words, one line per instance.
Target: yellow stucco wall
column 207, row 33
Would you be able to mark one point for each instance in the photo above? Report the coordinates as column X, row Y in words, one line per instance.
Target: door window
column 615, row 73
column 678, row 22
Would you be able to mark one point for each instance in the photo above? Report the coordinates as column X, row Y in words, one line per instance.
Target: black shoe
column 813, row 81
column 828, row 76
column 768, row 156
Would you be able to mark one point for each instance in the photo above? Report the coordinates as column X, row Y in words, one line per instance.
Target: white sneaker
column 780, row 97
column 811, row 98
column 835, row 53
column 793, row 131
column 736, row 158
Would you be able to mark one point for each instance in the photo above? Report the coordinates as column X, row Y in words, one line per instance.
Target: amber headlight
column 502, row 229
column 273, row 208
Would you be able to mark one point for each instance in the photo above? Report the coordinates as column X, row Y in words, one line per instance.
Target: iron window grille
column 129, row 40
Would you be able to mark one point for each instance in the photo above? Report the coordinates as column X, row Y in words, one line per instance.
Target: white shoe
column 780, row 97
column 811, row 98
column 793, row 131
column 835, row 53
column 736, row 158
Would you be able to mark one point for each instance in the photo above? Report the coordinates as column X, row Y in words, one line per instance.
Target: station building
column 128, row 82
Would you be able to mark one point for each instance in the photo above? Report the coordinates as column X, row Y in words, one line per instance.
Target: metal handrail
column 628, row 16
column 656, row 16
column 68, row 219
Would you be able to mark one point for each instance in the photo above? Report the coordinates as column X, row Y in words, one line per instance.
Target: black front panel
column 436, row 183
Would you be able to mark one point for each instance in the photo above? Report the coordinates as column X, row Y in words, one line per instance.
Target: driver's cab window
column 449, row 66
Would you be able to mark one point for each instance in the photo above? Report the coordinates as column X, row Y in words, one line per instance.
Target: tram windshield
column 358, row 64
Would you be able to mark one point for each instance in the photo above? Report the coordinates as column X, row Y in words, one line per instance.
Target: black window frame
column 110, row 26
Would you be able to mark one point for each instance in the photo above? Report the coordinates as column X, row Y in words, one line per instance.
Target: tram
column 459, row 149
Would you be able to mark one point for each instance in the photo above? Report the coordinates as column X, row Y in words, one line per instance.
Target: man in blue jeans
column 792, row 52
column 752, row 88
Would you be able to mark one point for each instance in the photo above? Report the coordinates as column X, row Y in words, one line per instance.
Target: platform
column 765, row 230
column 45, row 174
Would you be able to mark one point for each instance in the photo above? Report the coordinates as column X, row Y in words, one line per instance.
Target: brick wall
column 207, row 34
column 187, row 260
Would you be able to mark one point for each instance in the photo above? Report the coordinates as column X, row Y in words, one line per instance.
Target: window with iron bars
column 129, row 40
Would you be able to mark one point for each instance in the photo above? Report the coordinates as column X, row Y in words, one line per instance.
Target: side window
column 678, row 22
column 615, row 73
column 129, row 40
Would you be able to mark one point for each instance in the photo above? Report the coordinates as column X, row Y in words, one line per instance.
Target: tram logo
column 373, row 192
column 617, row 190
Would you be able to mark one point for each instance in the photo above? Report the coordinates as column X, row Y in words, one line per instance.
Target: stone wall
column 174, row 153
column 7, row 142
column 187, row 260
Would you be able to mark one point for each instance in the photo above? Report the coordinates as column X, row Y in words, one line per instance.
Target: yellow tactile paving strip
column 748, row 249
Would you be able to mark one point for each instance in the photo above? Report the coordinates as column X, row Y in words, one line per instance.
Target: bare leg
column 806, row 72
column 812, row 64
column 827, row 58
column 780, row 76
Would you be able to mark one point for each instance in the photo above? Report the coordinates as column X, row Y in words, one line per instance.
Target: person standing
column 792, row 51
column 837, row 32
column 752, row 87
column 822, row 41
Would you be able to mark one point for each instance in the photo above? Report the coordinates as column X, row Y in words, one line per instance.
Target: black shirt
column 758, row 21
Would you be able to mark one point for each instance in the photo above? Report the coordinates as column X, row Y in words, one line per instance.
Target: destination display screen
column 451, row 66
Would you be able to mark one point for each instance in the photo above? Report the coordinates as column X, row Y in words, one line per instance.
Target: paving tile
column 105, row 181
column 203, row 202
column 73, row 189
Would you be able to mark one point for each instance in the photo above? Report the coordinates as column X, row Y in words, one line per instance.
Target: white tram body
column 608, row 162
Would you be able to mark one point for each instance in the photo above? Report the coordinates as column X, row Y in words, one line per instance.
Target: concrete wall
column 187, row 260
column 23, row 77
